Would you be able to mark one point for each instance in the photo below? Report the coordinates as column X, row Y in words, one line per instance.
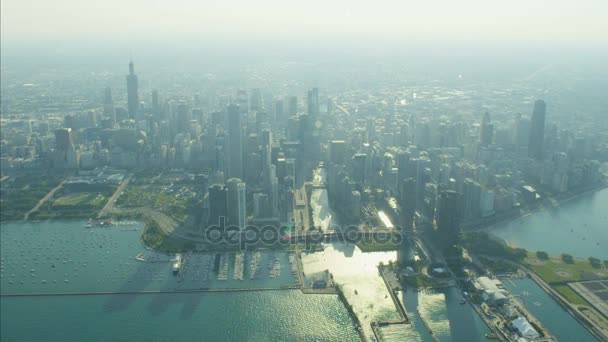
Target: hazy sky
column 530, row 20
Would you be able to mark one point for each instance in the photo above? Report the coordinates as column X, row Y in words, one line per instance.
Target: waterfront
column 62, row 256
column 577, row 227
column 557, row 320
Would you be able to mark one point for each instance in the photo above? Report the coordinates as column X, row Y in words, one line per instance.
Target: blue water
column 578, row 227
column 559, row 322
column 63, row 256
column 244, row 316
column 55, row 257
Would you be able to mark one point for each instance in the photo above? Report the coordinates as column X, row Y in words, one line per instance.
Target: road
column 114, row 197
column 44, row 199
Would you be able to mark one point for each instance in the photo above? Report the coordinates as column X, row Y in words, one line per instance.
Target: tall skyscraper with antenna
column 132, row 91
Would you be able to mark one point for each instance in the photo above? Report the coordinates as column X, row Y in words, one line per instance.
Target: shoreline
column 515, row 215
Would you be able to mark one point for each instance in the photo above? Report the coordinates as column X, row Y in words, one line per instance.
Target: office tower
column 358, row 167
column 155, row 103
column 472, row 199
column 292, row 108
column 407, row 199
column 537, row 131
column 447, row 218
column 218, row 208
column 313, row 102
column 403, row 166
column 279, row 114
column 235, row 145
column 274, row 191
column 63, row 139
column 261, row 205
column 132, row 91
column 255, row 100
column 183, row 117
column 266, row 159
column 108, row 106
column 404, row 135
column 486, row 132
column 337, row 152
column 237, row 205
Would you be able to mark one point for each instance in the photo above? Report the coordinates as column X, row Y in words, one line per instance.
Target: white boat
column 177, row 263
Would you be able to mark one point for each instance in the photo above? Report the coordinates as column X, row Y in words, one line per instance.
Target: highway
column 114, row 197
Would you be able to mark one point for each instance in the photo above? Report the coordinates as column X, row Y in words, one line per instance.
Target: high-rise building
column 155, row 103
column 266, row 159
column 337, row 151
column 472, row 199
column 132, row 91
column 63, row 139
column 237, row 205
column 487, row 130
column 235, row 145
column 108, row 106
column 292, row 108
column 218, row 208
column 537, row 131
column 447, row 218
column 313, row 102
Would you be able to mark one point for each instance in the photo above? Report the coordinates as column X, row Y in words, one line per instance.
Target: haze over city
column 307, row 171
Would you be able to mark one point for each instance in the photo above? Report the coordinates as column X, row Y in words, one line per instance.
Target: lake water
column 56, row 256
column 243, row 316
column 578, row 227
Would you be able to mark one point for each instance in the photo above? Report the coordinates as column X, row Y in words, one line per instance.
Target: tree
column 542, row 255
column 595, row 262
column 567, row 258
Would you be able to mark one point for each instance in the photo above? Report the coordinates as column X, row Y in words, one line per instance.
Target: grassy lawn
column 570, row 295
column 151, row 197
column 173, row 204
column 19, row 195
column 555, row 270
column 81, row 199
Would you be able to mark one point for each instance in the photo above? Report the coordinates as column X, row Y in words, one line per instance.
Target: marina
column 35, row 259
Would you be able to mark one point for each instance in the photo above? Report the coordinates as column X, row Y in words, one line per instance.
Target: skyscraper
column 132, row 91
column 292, row 108
column 266, row 159
column 63, row 139
column 537, row 131
column 155, row 103
column 237, row 205
column 447, row 218
column 313, row 102
column 487, row 130
column 217, row 204
column 235, row 145
column 108, row 106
